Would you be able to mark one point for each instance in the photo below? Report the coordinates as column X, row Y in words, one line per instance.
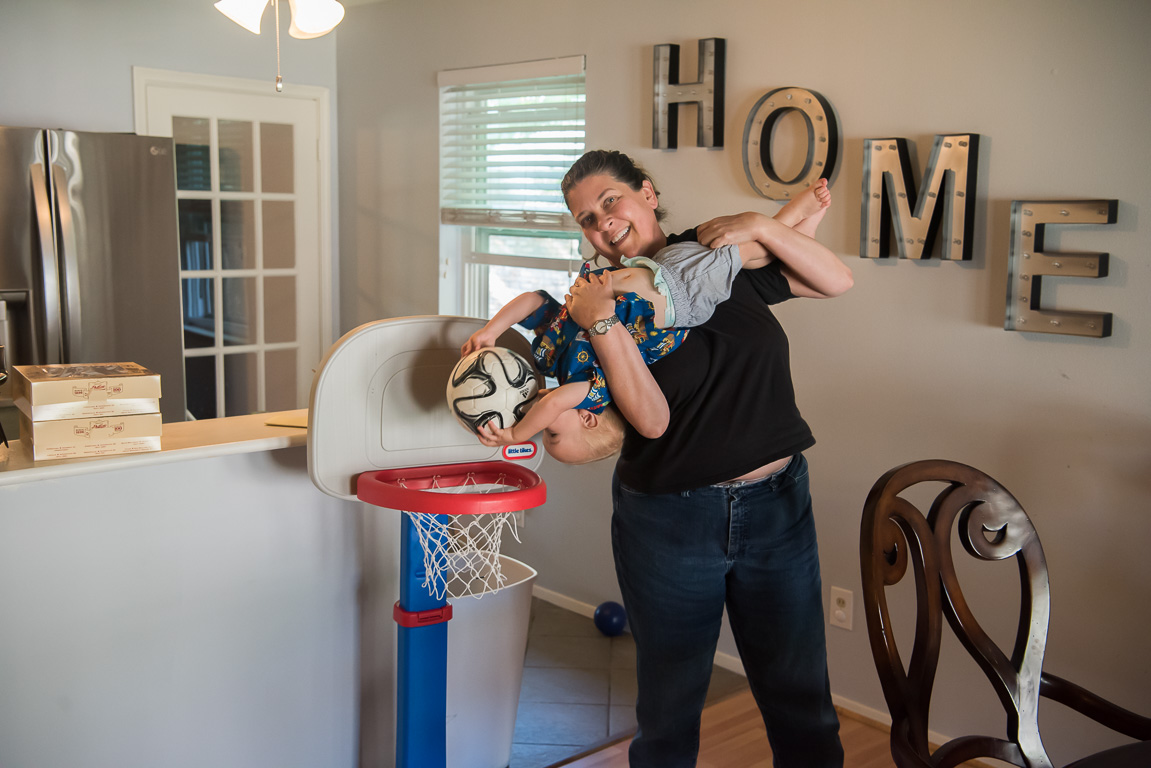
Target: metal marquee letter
column 1028, row 264
column 945, row 199
column 706, row 93
column 822, row 141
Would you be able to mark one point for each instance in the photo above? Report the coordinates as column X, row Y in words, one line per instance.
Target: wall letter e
column 1028, row 265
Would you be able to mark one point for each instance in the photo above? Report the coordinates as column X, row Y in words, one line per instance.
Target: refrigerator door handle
column 49, row 272
column 69, row 266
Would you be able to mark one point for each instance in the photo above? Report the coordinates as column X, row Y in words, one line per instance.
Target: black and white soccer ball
column 491, row 384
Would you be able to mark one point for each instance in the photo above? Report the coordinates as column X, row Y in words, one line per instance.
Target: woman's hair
column 615, row 164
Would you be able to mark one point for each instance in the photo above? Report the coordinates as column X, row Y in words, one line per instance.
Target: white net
column 462, row 552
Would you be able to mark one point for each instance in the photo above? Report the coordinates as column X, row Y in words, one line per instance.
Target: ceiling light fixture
column 310, row 19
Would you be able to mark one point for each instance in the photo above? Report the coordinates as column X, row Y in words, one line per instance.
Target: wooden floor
column 732, row 736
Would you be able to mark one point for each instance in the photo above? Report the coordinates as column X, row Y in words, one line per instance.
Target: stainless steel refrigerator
column 89, row 254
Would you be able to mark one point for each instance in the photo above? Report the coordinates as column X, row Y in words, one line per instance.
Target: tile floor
column 579, row 688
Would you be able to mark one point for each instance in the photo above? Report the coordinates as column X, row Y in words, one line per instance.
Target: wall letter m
column 943, row 206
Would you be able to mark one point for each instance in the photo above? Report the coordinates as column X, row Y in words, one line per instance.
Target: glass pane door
column 237, row 202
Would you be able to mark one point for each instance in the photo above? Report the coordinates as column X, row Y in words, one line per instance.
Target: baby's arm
column 511, row 313
column 549, row 405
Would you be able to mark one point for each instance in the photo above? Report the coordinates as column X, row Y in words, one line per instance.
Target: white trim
column 567, row 65
column 733, row 664
column 486, row 217
column 563, row 601
column 521, row 262
column 143, row 78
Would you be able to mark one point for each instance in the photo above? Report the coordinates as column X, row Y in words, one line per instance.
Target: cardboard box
column 50, row 392
column 104, row 436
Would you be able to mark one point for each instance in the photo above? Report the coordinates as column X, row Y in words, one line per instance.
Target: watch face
column 600, row 327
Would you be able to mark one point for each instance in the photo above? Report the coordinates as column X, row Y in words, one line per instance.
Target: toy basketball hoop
column 379, row 430
column 458, row 512
column 450, row 545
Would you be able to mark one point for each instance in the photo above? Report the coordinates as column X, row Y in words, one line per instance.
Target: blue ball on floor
column 610, row 618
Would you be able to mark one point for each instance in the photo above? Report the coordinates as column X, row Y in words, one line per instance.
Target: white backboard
column 379, row 401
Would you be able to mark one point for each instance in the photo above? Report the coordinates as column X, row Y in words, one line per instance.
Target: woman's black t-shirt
column 730, row 394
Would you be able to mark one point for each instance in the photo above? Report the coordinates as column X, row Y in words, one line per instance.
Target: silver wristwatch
column 600, row 327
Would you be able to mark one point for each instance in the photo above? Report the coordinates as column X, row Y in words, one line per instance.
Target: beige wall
column 913, row 362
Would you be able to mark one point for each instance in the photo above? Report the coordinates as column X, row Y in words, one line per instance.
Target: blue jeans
column 680, row 558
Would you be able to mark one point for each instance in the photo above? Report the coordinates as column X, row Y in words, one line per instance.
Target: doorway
column 253, row 193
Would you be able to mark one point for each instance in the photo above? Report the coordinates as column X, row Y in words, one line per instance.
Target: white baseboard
column 563, row 601
column 732, row 663
column 871, row 714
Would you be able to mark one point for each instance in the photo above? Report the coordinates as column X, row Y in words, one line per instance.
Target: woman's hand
column 590, row 299
column 731, row 230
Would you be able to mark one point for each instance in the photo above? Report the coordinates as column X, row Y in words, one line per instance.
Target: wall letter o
column 822, row 141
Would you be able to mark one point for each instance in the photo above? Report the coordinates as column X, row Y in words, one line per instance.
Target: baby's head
column 580, row 436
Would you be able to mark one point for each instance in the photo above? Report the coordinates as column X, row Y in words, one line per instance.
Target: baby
column 657, row 299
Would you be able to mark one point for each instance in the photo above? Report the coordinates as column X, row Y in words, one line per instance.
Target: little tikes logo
column 519, row 451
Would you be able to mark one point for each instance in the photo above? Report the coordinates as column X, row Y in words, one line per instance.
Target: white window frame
column 463, row 283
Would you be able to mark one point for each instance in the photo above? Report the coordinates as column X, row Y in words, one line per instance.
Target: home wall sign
column 937, row 217
column 1029, row 264
column 706, row 93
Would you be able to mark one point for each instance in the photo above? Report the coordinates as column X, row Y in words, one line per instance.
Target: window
column 508, row 134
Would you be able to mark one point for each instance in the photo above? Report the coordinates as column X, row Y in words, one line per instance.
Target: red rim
column 408, row 489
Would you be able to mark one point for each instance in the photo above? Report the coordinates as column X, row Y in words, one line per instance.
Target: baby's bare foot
column 820, row 197
column 811, row 202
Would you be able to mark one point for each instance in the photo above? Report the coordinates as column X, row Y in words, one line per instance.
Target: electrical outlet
column 841, row 606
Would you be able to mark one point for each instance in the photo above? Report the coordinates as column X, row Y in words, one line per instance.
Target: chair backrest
column 991, row 526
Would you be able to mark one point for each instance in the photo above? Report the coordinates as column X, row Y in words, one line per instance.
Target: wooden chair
column 991, row 526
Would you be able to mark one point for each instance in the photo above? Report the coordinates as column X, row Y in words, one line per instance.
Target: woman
column 710, row 494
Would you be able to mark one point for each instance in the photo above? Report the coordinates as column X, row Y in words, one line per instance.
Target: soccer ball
column 491, row 384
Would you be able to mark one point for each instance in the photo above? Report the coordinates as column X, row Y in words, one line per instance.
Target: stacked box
column 71, row 411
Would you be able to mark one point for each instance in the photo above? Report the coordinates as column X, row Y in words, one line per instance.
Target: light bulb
column 314, row 18
column 246, row 13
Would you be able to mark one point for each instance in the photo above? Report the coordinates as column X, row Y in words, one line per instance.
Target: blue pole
column 422, row 674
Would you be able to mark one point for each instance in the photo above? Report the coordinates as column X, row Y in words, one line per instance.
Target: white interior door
column 253, row 251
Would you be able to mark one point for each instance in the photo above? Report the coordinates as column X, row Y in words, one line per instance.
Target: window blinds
column 504, row 148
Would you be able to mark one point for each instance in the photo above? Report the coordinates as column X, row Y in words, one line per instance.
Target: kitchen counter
column 180, row 441
column 191, row 606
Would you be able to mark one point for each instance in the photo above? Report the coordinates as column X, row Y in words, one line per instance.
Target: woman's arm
column 547, row 409
column 811, row 269
column 634, row 391
column 509, row 314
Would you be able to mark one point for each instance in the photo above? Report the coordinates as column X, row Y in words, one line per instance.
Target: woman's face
column 617, row 220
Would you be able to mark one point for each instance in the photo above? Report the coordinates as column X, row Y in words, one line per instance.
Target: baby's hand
column 478, row 340
column 494, row 437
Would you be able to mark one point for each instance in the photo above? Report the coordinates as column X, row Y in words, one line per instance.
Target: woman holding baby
column 711, row 504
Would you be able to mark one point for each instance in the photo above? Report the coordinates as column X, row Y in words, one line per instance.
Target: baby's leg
column 640, row 281
column 753, row 255
column 804, row 212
